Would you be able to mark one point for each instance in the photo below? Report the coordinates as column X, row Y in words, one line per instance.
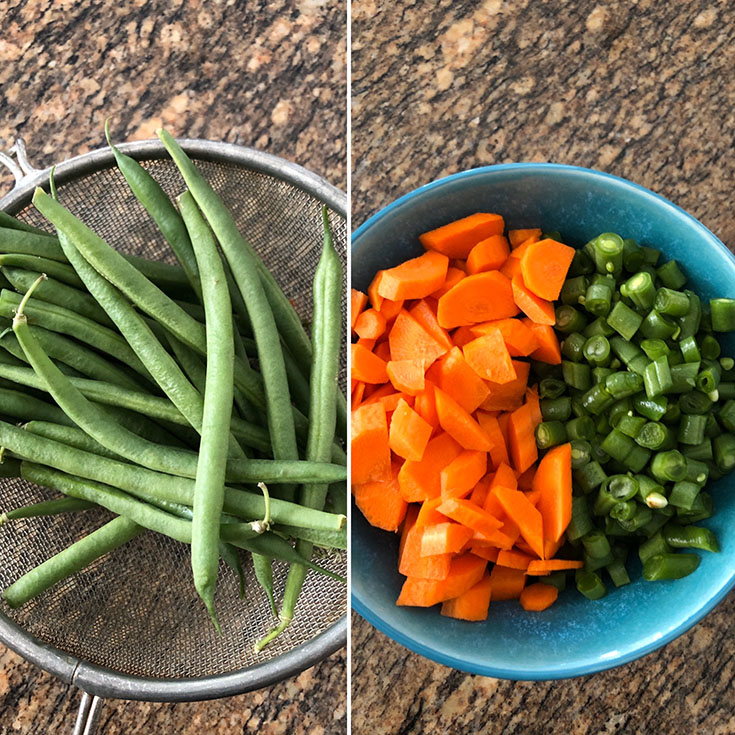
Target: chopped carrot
column 535, row 308
column 553, row 481
column 514, row 559
column 518, row 237
column 506, row 583
column 358, row 301
column 454, row 276
column 444, row 538
column 456, row 378
column 382, row 350
column 548, row 349
column 551, row 547
column 428, row 514
column 357, row 393
column 508, row 396
column 477, row 298
column 368, row 344
column 525, row 479
column 369, row 443
column 457, row 238
column 533, row 496
column 489, row 358
column 533, row 401
column 462, row 335
column 421, row 480
column 409, row 433
column 497, row 538
column 406, row 376
column 511, row 267
column 412, row 564
column 518, row 337
column 488, row 255
column 541, row 567
column 464, row 573
column 504, row 477
column 491, row 426
column 415, row 278
column 370, row 324
column 479, row 492
column 390, row 309
column 424, row 312
column 381, row 502
column 376, row 300
column 521, row 439
column 412, row 514
column 381, row 391
column 461, row 475
column 471, row 605
column 460, row 424
column 520, row 251
column 504, row 422
column 490, row 553
column 366, row 366
column 410, row 341
column 459, row 264
column 470, row 515
column 538, row 596
column 544, row 267
column 425, row 404
column 522, row 512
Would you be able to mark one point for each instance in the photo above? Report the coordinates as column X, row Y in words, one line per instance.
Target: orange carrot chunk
column 506, row 583
column 412, row 564
column 471, row 605
column 504, row 477
column 479, row 492
column 518, row 338
column 533, row 401
column 459, row 424
column 381, row 350
column 390, row 309
column 428, row 514
column 381, row 502
column 548, row 349
column 376, row 300
column 409, row 433
column 477, row 298
column 514, row 559
column 507, row 396
column 456, row 378
column 406, row 376
column 470, row 515
column 424, row 312
column 463, row 473
column 488, row 255
column 544, row 267
column 541, row 567
column 370, row 324
column 410, row 341
column 457, row 238
column 414, row 278
column 553, row 480
column 366, row 366
column 444, row 538
column 534, row 307
column 462, row 335
column 464, row 573
column 369, row 444
column 490, row 425
column 511, row 267
column 518, row 237
column 422, row 480
column 490, row 553
column 521, row 439
column 538, row 596
column 425, row 404
column 358, row 301
column 454, row 276
column 489, row 358
column 522, row 512
column 358, row 392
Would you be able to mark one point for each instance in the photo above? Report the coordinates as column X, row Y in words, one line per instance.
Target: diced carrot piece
column 518, row 237
column 390, row 309
column 506, row 583
column 488, row 255
column 370, row 324
column 462, row 335
column 498, row 538
column 381, row 391
column 464, row 573
column 456, row 378
column 412, row 513
column 533, row 401
column 524, row 515
column 409, row 433
column 553, row 481
column 421, row 480
column 479, row 492
column 425, row 404
column 491, row 426
column 459, row 424
column 412, row 564
column 548, row 349
column 551, row 547
column 454, row 276
column 457, row 238
column 508, row 396
column 425, row 314
column 538, row 596
column 489, row 358
column 490, row 553
column 504, row 421
column 471, row 605
column 533, row 496
column 519, row 252
column 544, row 267
column 477, row 298
column 535, row 308
column 357, row 393
column 444, row 538
column 511, row 267
column 410, row 341
column 358, row 302
column 514, row 559
column 470, row 515
column 541, row 567
column 525, row 479
column 415, row 278
column 366, row 366
column 521, row 438
column 376, row 300
column 381, row 502
column 382, row 350
column 369, row 443
column 406, row 376
column 428, row 513
column 504, row 477
column 463, row 473
column 459, row 264
column 518, row 338
column 368, row 344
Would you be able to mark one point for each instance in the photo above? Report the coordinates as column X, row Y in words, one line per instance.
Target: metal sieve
column 131, row 626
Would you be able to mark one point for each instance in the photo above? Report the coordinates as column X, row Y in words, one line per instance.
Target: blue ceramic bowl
column 575, row 636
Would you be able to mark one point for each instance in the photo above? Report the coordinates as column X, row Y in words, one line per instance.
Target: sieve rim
column 105, row 682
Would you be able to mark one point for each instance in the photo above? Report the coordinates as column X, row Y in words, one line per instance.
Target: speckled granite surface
column 644, row 90
column 268, row 74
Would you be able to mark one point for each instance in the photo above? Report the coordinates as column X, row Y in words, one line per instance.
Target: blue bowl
column 575, row 636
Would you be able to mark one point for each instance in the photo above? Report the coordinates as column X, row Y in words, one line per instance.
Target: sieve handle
column 16, row 161
column 89, row 712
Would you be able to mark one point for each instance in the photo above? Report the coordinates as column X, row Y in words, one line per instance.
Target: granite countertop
column 268, row 75
column 644, row 90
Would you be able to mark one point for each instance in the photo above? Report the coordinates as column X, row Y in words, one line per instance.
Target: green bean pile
column 136, row 384
column 648, row 405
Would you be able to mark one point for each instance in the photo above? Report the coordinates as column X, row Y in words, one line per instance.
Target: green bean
column 598, row 327
column 46, row 508
column 654, row 435
column 683, row 377
column 11, row 347
column 582, row 264
column 596, row 351
column 670, row 275
column 581, row 453
column 596, row 544
column 576, row 375
column 590, row 476
column 568, row 319
column 710, row 348
column 655, row 348
column 9, row 467
column 581, row 427
column 691, row 321
column 263, row 568
column 690, row 537
column 669, row 566
column 723, row 447
column 581, row 523
column 607, row 251
column 691, row 429
column 657, row 326
column 23, row 406
column 600, row 374
column 640, row 290
column 550, row 388
column 52, row 268
column 597, row 399
column 689, row 349
column 623, row 384
column 556, row 409
column 657, row 377
column 573, row 347
column 598, row 299
column 70, row 435
column 589, row 584
column 723, row 314
column 631, row 425
column 573, row 290
column 7, row 221
column 671, row 303
column 624, row 320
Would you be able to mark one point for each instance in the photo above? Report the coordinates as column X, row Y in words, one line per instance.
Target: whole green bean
column 52, row 268
column 46, row 508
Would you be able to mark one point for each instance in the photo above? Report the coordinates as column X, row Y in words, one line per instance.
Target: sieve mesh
column 136, row 610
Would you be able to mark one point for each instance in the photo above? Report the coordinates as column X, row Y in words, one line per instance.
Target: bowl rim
column 584, row 666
